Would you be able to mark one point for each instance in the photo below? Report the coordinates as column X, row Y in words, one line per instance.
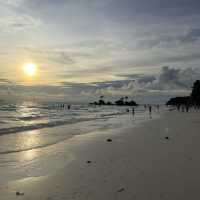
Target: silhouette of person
column 187, row 108
column 150, row 110
column 133, row 111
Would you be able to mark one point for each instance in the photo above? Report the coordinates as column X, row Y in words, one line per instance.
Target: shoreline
column 40, row 159
column 156, row 160
column 36, row 153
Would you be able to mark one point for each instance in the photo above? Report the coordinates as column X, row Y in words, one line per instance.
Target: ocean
column 31, row 134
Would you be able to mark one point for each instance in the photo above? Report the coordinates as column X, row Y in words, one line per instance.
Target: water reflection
column 29, row 142
column 27, row 112
column 29, row 155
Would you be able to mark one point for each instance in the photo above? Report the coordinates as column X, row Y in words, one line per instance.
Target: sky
column 148, row 50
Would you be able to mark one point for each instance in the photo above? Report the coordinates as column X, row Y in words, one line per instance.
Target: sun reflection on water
column 30, row 154
column 29, row 142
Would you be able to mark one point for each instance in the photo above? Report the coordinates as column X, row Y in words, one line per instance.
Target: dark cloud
column 154, row 8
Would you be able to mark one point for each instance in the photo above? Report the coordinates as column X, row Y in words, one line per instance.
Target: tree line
column 192, row 100
column 123, row 101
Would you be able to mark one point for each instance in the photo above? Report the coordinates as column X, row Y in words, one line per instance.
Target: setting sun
column 30, row 69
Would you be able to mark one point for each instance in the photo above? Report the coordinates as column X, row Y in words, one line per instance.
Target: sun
column 30, row 69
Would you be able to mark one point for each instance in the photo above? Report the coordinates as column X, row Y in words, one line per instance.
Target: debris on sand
column 19, row 193
column 121, row 190
column 109, row 140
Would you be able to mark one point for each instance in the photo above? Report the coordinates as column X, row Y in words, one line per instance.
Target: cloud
column 56, row 54
column 175, row 79
column 18, row 23
column 171, row 39
column 12, row 3
column 171, row 81
column 192, row 36
column 155, row 8
column 5, row 81
column 117, row 46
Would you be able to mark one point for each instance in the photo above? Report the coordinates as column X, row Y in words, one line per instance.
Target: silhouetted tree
column 109, row 103
column 196, row 93
column 120, row 102
column 101, row 101
column 126, row 100
column 178, row 101
column 193, row 99
column 132, row 103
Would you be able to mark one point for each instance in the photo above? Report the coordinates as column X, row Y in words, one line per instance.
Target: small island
column 124, row 101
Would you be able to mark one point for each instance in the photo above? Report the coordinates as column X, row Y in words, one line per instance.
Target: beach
column 157, row 159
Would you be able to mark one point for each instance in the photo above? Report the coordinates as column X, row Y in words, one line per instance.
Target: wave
column 84, row 114
column 8, row 108
column 112, row 114
column 41, row 125
column 30, row 118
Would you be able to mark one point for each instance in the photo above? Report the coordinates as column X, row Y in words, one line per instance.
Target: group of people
column 62, row 106
column 149, row 107
column 183, row 108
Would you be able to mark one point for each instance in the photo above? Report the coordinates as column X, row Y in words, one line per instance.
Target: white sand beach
column 158, row 159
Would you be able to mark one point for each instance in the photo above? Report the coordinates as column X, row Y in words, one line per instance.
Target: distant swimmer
column 69, row 107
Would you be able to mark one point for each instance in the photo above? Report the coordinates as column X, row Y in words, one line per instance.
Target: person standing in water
column 150, row 109
column 133, row 111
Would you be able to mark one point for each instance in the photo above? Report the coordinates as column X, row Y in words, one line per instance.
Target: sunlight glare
column 30, row 69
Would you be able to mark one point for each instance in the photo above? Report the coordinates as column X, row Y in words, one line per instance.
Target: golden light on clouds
column 30, row 69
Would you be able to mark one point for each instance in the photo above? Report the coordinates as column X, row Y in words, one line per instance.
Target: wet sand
column 158, row 159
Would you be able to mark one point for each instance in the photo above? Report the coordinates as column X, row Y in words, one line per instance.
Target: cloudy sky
column 145, row 49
